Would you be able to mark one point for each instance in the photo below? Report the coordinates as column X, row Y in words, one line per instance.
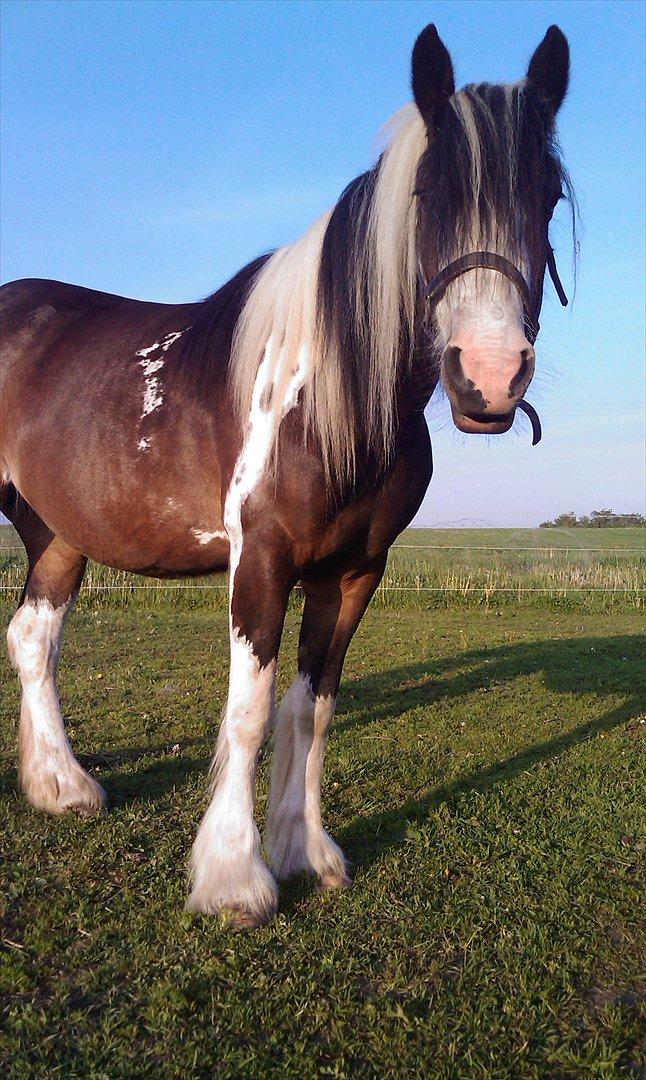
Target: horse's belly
column 161, row 516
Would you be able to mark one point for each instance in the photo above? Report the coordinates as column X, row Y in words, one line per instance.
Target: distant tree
column 598, row 519
column 602, row 519
column 566, row 521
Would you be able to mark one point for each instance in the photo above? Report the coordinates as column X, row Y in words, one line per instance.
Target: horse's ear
column 549, row 68
column 431, row 74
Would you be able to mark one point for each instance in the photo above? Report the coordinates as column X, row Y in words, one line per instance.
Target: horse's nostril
column 517, row 384
column 453, row 363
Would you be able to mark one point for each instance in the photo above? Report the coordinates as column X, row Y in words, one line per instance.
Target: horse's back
column 36, row 313
column 26, row 293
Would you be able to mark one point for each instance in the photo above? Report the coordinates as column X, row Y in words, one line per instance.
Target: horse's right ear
column 431, row 74
column 549, row 68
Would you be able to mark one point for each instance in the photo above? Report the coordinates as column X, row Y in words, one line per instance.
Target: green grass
column 484, row 776
column 609, row 540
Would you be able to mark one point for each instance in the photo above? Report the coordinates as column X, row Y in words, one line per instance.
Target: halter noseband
column 434, row 289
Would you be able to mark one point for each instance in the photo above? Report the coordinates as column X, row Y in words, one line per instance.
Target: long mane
column 344, row 292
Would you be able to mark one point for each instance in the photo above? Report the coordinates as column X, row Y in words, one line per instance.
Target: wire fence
column 126, row 587
column 556, row 572
column 552, row 549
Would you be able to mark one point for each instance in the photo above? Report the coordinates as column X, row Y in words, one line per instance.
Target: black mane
column 208, row 341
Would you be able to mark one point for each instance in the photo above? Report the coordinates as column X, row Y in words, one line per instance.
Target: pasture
column 484, row 776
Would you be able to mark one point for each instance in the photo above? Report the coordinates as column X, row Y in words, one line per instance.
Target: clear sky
column 152, row 148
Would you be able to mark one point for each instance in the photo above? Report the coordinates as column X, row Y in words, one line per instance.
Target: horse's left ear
column 549, row 68
column 431, row 74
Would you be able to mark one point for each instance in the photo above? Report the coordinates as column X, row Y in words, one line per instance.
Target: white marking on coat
column 164, row 344
column 51, row 777
column 170, row 339
column 150, row 366
column 153, row 396
column 226, row 865
column 259, row 440
column 204, row 537
column 144, row 444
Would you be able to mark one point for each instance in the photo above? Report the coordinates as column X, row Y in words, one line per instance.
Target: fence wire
column 458, row 590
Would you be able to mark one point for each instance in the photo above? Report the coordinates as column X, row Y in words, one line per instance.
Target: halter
column 434, row 289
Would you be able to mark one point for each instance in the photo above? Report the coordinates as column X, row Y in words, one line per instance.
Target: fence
column 424, row 573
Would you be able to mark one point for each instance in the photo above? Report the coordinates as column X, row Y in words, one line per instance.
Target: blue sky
column 152, row 148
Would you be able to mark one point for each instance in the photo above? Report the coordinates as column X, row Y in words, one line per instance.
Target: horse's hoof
column 243, row 893
column 63, row 793
column 234, row 918
column 335, row 880
column 95, row 808
column 245, row 919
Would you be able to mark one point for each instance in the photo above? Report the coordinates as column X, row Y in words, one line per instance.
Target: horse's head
column 487, row 187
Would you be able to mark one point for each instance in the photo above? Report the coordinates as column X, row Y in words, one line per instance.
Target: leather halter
column 434, row 289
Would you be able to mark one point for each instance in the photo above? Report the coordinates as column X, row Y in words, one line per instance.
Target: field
column 485, row 776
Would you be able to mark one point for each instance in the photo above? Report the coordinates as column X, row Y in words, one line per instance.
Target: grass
column 575, row 569
column 484, row 777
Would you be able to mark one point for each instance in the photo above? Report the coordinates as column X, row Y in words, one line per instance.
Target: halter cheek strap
column 554, row 274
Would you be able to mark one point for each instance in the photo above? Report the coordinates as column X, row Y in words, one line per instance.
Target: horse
column 276, row 428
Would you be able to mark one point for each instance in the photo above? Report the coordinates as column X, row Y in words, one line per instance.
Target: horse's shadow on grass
column 599, row 666
column 584, row 666
column 367, row 837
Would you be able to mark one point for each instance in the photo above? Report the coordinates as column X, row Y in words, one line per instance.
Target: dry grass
column 589, row 569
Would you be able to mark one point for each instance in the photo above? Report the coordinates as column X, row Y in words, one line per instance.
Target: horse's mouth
column 497, row 423
column 483, row 423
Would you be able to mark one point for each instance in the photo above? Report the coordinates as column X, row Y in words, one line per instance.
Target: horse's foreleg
column 296, row 838
column 227, row 870
column 50, row 775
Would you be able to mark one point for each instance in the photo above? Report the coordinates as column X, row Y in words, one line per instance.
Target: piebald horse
column 277, row 429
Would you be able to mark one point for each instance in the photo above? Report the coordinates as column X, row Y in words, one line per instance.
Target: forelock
column 485, row 172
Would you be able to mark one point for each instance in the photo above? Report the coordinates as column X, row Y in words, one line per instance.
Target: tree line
column 598, row 519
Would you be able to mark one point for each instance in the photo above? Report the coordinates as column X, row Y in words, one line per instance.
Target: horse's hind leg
column 50, row 775
column 296, row 838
